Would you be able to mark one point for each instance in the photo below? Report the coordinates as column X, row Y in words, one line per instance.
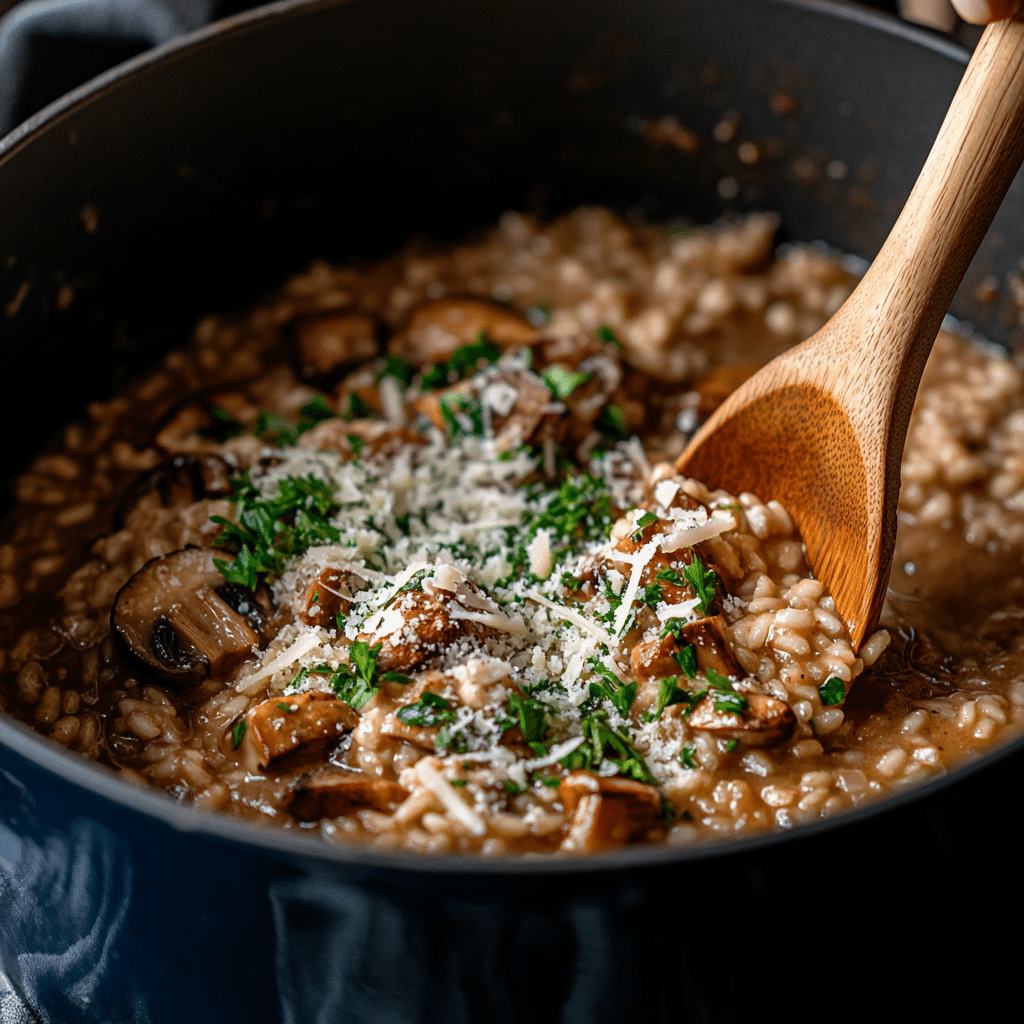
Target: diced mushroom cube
column 762, row 720
column 606, row 812
column 284, row 725
column 326, row 596
column 330, row 792
column 712, row 649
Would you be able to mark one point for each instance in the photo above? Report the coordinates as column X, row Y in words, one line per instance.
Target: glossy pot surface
column 216, row 166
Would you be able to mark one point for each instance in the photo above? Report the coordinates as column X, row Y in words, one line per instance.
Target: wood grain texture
column 822, row 427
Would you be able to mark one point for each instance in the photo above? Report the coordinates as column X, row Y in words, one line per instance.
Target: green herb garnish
column 612, row 423
column 238, row 733
column 731, row 746
column 832, row 692
column 401, row 369
column 688, row 756
column 726, row 699
column 222, row 426
column 603, row 743
column 269, row 531
column 704, row 581
column 608, row 336
column 357, row 688
column 644, row 520
column 531, row 715
column 430, row 710
column 564, row 382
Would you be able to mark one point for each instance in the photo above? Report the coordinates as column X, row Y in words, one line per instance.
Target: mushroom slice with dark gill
column 284, row 725
column 329, row 792
column 606, row 812
column 182, row 622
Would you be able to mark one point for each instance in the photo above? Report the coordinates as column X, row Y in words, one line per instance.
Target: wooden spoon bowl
column 822, row 427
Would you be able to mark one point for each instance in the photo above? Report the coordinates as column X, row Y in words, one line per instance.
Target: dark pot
column 218, row 165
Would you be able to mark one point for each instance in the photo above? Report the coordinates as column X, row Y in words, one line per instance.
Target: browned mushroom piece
column 179, row 481
column 428, row 630
column 328, row 342
column 652, row 659
column 329, row 792
column 712, row 649
column 180, row 620
column 606, row 812
column 329, row 594
column 283, row 725
column 763, row 721
column 437, row 328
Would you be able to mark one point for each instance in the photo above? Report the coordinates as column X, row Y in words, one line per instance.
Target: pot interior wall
column 202, row 179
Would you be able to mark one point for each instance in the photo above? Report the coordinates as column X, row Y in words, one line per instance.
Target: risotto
column 401, row 557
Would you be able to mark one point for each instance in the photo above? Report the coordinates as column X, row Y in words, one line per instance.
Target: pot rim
column 102, row 782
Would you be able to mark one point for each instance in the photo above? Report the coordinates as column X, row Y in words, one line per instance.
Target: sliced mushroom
column 178, row 482
column 437, row 328
column 606, row 812
column 327, row 342
column 328, row 594
column 762, row 722
column 331, row 792
column 711, row 647
column 177, row 619
column 283, row 725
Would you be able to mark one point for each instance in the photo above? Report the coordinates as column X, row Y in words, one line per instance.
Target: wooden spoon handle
column 968, row 171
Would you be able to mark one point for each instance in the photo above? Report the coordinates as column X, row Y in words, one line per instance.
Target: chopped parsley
column 564, row 382
column 315, row 411
column 356, row 443
column 462, row 416
column 458, row 783
column 731, row 746
column 832, row 692
column 222, row 426
column 511, row 788
column 430, row 710
column 530, row 714
column 612, row 423
column 644, row 520
column 668, row 693
column 727, row 700
column 704, row 582
column 270, row 531
column 285, row 707
column 620, row 695
column 238, row 733
column 688, row 757
column 463, row 362
column 603, row 743
column 652, row 595
column 401, row 369
column 686, row 659
column 358, row 407
column 608, row 336
column 357, row 688
column 671, row 576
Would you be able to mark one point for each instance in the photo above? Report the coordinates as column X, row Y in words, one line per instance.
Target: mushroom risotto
column 401, row 557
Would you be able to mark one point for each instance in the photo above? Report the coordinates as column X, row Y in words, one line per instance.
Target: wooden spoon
column 822, row 427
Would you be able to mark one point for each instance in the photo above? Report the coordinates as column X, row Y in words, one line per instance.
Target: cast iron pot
column 208, row 171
